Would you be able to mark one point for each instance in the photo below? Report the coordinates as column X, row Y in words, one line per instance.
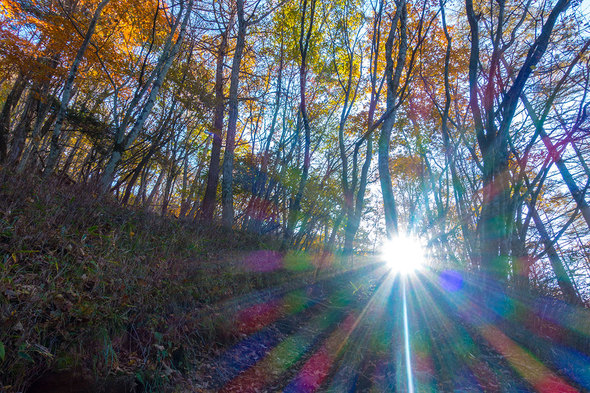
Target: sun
column 404, row 254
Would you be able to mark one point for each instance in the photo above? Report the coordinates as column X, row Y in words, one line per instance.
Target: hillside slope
column 99, row 290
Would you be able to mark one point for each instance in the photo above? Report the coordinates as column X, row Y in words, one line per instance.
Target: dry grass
column 87, row 285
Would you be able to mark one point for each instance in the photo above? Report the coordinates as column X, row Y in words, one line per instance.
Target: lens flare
column 405, row 254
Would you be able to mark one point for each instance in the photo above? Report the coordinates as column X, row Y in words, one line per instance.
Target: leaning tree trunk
column 9, row 104
column 563, row 280
column 122, row 140
column 23, row 128
column 492, row 126
column 65, row 98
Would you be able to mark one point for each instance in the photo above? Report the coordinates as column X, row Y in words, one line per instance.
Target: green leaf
column 2, row 351
column 25, row 356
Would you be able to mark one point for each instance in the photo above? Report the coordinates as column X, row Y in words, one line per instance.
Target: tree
column 124, row 138
column 209, row 199
column 493, row 115
column 232, row 122
column 65, row 98
column 305, row 33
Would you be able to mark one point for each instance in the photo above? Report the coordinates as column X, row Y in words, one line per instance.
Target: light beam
column 409, row 374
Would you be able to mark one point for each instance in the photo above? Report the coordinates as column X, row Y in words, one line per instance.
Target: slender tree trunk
column 23, row 128
column 122, row 141
column 348, row 188
column 260, row 204
column 192, row 192
column 155, row 190
column 563, row 279
column 356, row 206
column 141, row 193
column 44, row 107
column 328, row 246
column 458, row 189
column 520, row 258
column 209, row 199
column 393, row 77
column 85, row 168
column 184, row 191
column 71, row 155
column 134, row 176
column 354, row 218
column 156, row 143
column 304, row 42
column 492, row 127
column 171, row 178
column 227, row 200
column 9, row 104
column 66, row 95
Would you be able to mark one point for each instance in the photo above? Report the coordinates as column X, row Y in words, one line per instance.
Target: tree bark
column 209, row 199
column 492, row 131
column 122, row 140
column 155, row 189
column 563, row 279
column 66, row 95
column 227, row 200
column 304, row 42
column 393, row 77
column 11, row 101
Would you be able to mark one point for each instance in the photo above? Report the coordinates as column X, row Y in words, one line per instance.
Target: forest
column 161, row 161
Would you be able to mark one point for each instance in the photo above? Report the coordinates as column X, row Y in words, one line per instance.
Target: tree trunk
column 155, row 190
column 259, row 203
column 354, row 215
column 141, row 193
column 328, row 246
column 170, row 179
column 72, row 154
column 66, row 95
column 209, row 199
column 192, row 193
column 304, row 42
column 122, row 141
column 492, row 127
column 449, row 150
column 227, row 200
column 11, row 101
column 393, row 77
column 184, row 190
column 563, row 279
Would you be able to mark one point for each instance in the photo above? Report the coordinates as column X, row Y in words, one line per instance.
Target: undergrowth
column 86, row 284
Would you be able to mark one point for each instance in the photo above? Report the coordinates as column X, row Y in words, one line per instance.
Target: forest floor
column 357, row 331
column 99, row 298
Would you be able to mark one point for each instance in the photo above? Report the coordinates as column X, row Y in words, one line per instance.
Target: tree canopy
column 327, row 124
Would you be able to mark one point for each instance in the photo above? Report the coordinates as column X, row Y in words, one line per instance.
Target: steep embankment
column 98, row 290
